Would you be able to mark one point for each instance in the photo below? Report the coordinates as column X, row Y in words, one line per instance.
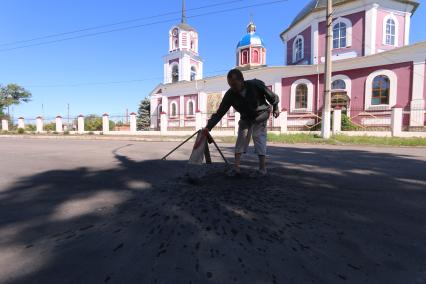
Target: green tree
column 93, row 122
column 144, row 118
column 13, row 94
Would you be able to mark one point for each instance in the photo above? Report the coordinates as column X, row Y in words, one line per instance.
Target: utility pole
column 68, row 116
column 326, row 110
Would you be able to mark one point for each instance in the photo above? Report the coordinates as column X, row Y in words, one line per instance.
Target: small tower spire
column 251, row 27
column 183, row 12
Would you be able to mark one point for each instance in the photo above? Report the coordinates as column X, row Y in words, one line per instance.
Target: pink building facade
column 375, row 69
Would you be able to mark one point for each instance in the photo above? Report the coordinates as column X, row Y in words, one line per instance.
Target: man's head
column 236, row 80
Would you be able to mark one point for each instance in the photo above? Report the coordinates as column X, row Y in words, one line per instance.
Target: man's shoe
column 258, row 174
column 233, row 173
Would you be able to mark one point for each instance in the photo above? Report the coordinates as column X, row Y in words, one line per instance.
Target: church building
column 374, row 69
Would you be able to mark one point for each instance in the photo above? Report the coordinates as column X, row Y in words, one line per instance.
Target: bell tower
column 183, row 62
column 251, row 51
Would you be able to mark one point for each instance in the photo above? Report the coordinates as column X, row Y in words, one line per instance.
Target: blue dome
column 250, row 39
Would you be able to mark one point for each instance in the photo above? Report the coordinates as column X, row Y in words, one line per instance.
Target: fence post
column 58, row 122
column 133, row 124
column 198, row 120
column 237, row 117
column 396, row 121
column 163, row 123
column 80, row 124
column 337, row 121
column 284, row 121
column 105, row 123
column 39, row 124
column 5, row 125
column 21, row 123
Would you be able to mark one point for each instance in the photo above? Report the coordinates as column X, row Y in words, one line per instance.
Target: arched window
column 160, row 109
column 298, row 46
column 390, row 32
column 193, row 73
column 255, row 56
column 245, row 57
column 175, row 73
column 301, row 96
column 381, row 90
column 339, row 35
column 338, row 85
column 192, row 45
column 191, row 108
column 174, row 109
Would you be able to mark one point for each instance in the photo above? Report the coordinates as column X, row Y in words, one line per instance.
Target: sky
column 113, row 71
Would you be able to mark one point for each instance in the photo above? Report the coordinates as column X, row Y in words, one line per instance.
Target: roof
column 250, row 39
column 316, row 5
column 186, row 27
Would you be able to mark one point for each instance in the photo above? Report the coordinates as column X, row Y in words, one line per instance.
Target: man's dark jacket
column 252, row 107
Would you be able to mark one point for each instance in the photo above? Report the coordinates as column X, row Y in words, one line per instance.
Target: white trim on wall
column 369, row 89
column 373, row 40
column 407, row 28
column 395, row 20
column 348, row 24
column 293, row 96
column 314, row 42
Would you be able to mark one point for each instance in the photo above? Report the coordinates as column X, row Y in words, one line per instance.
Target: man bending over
column 250, row 98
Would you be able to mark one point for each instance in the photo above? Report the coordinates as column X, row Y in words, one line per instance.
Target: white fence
column 284, row 124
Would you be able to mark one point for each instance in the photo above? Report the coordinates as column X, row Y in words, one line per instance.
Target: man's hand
column 205, row 130
column 276, row 113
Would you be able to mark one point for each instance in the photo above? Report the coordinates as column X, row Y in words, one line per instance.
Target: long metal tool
column 177, row 147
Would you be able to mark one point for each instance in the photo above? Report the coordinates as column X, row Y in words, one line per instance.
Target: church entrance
column 340, row 99
column 339, row 95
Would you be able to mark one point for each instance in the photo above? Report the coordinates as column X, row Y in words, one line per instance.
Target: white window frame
column 295, row 59
column 193, row 108
column 171, row 109
column 293, row 96
column 347, row 81
column 395, row 20
column 348, row 24
column 393, row 80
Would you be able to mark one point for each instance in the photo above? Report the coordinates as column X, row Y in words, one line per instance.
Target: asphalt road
column 111, row 212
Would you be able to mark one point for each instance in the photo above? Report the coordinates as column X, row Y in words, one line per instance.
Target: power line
column 144, row 25
column 212, row 73
column 117, row 23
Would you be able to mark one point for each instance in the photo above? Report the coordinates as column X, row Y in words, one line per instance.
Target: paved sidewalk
column 111, row 212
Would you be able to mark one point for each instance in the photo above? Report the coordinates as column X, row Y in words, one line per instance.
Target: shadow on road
column 321, row 216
